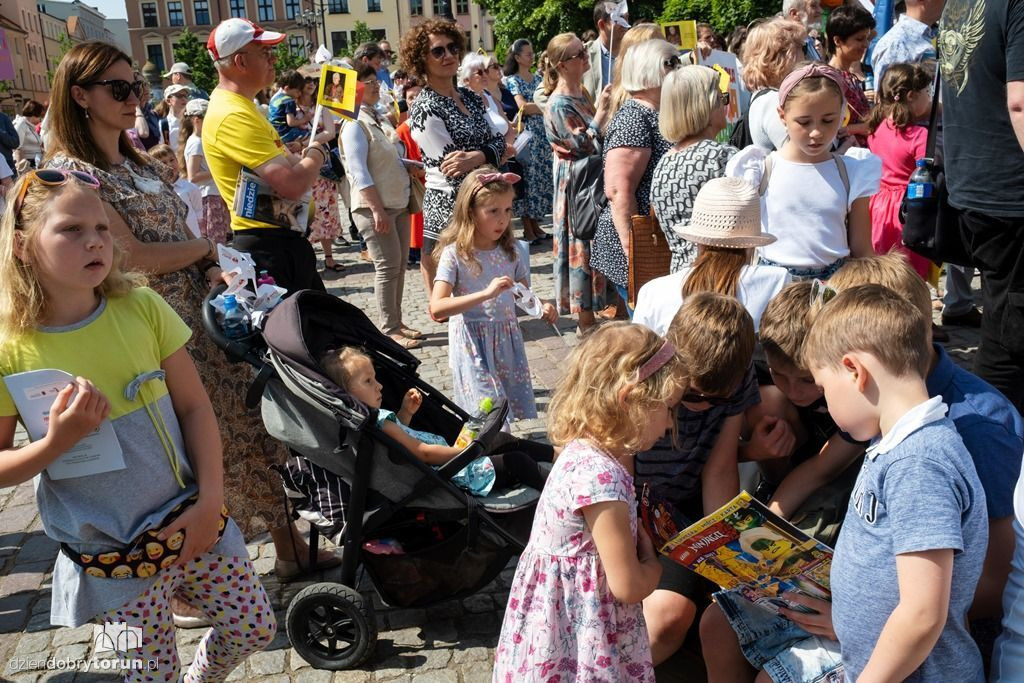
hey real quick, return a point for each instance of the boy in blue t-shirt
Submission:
(283, 111)
(913, 542)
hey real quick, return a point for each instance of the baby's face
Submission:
(362, 383)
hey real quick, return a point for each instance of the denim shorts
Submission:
(772, 642)
(800, 274)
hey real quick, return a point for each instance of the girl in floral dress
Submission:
(477, 268)
(574, 610)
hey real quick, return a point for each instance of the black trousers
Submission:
(285, 254)
(996, 244)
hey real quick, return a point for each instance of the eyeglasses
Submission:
(724, 98)
(581, 55)
(437, 52)
(698, 397)
(268, 53)
(493, 67)
(672, 63)
(52, 177)
(120, 89)
(477, 72)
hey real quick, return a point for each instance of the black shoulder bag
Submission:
(931, 227)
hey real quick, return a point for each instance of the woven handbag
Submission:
(648, 252)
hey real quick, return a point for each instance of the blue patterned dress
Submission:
(485, 345)
(536, 158)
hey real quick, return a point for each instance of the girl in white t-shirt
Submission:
(214, 219)
(726, 227)
(814, 201)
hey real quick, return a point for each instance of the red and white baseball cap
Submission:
(231, 35)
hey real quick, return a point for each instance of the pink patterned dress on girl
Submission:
(562, 619)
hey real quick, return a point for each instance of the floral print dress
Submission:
(577, 287)
(562, 621)
(252, 492)
(485, 345)
(536, 159)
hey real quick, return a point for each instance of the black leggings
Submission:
(516, 461)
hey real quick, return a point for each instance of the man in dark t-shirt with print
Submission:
(981, 55)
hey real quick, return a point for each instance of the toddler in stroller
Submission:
(511, 461)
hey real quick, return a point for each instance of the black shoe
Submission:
(971, 318)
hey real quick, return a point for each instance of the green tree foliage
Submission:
(361, 34)
(288, 60)
(723, 15)
(65, 44)
(193, 52)
(540, 20)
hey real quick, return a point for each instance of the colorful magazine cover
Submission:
(744, 546)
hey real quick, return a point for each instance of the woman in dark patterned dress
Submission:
(573, 127)
(692, 114)
(148, 220)
(632, 148)
(448, 123)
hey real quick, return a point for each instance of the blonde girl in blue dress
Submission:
(477, 268)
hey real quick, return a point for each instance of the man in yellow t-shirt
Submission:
(237, 136)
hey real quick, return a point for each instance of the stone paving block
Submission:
(403, 618)
(75, 651)
(23, 660)
(440, 632)
(436, 677)
(13, 611)
(406, 637)
(10, 543)
(36, 642)
(295, 660)
(279, 678)
(481, 602)
(461, 655)
(267, 662)
(25, 678)
(313, 676)
(71, 636)
(239, 674)
(27, 578)
(16, 518)
(355, 676)
(38, 548)
(477, 672)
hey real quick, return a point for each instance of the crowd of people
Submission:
(789, 342)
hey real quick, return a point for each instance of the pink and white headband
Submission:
(656, 362)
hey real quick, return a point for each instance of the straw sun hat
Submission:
(726, 213)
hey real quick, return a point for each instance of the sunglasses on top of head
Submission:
(437, 52)
(672, 62)
(119, 88)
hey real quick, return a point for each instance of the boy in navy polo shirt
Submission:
(913, 542)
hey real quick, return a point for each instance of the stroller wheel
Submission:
(330, 626)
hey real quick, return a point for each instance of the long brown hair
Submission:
(69, 127)
(894, 95)
(461, 229)
(717, 269)
(557, 48)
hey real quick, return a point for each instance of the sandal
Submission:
(405, 342)
(333, 265)
(410, 333)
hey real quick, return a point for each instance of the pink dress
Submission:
(899, 151)
(562, 622)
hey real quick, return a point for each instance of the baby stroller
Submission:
(362, 489)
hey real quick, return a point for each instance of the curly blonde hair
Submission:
(768, 53)
(599, 397)
(22, 299)
(416, 42)
(461, 229)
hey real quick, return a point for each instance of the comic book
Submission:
(744, 546)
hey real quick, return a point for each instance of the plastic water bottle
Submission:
(236, 321)
(922, 185)
(474, 424)
(265, 278)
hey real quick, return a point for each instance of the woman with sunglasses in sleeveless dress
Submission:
(448, 123)
(94, 100)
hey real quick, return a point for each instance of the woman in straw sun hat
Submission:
(725, 224)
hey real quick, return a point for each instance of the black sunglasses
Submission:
(120, 89)
(437, 52)
(697, 397)
(672, 62)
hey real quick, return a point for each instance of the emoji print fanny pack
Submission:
(146, 555)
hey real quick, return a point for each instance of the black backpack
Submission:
(740, 137)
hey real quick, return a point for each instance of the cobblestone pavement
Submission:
(449, 643)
